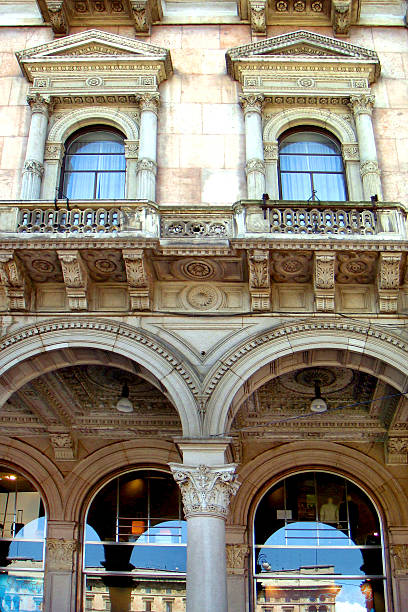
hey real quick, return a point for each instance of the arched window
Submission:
(311, 167)
(22, 543)
(94, 165)
(135, 544)
(317, 538)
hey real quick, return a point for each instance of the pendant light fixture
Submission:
(124, 404)
(318, 404)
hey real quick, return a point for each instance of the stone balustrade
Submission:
(247, 218)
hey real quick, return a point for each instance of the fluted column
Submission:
(33, 165)
(206, 491)
(255, 166)
(146, 167)
(362, 108)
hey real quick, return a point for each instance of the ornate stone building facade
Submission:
(203, 306)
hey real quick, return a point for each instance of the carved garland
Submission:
(103, 326)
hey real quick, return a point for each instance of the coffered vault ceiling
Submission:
(82, 399)
(359, 408)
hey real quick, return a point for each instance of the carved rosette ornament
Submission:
(257, 15)
(236, 557)
(399, 555)
(259, 280)
(252, 103)
(323, 277)
(206, 491)
(341, 11)
(388, 281)
(60, 554)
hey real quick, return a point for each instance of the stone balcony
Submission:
(247, 218)
(133, 256)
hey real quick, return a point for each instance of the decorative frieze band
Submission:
(206, 490)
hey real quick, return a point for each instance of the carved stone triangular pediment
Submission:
(105, 62)
(324, 59)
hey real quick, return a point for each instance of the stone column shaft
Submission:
(362, 108)
(60, 567)
(206, 492)
(146, 167)
(33, 165)
(255, 166)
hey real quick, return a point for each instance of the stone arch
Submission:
(108, 462)
(42, 339)
(39, 469)
(273, 465)
(72, 121)
(364, 347)
(326, 119)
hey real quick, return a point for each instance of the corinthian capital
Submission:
(362, 105)
(149, 102)
(252, 103)
(206, 490)
(39, 104)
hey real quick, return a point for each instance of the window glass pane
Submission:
(96, 151)
(79, 185)
(330, 187)
(110, 185)
(320, 157)
(307, 594)
(296, 186)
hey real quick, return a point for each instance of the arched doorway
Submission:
(135, 541)
(22, 542)
(317, 547)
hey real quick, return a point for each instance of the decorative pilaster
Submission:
(60, 566)
(146, 167)
(388, 281)
(252, 105)
(341, 16)
(139, 282)
(131, 155)
(323, 281)
(15, 282)
(75, 279)
(399, 556)
(271, 156)
(396, 451)
(53, 156)
(33, 166)
(362, 107)
(58, 17)
(142, 15)
(206, 491)
(259, 280)
(257, 16)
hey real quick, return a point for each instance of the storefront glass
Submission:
(22, 544)
(318, 547)
(135, 545)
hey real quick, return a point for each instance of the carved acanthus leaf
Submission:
(14, 281)
(257, 13)
(63, 445)
(138, 278)
(341, 11)
(142, 15)
(399, 554)
(388, 281)
(259, 280)
(60, 554)
(206, 490)
(236, 556)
